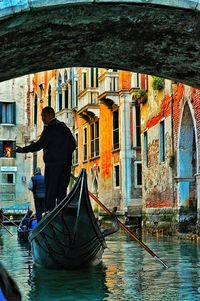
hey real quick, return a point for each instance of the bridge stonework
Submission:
(153, 37)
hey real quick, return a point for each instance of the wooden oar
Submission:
(128, 231)
(125, 228)
(10, 220)
(6, 229)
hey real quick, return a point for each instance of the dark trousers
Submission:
(57, 177)
(39, 207)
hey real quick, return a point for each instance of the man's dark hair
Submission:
(48, 110)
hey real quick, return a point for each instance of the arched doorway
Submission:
(95, 191)
(187, 168)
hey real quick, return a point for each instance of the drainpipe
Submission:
(125, 155)
(173, 152)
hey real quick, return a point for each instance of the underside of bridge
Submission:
(150, 39)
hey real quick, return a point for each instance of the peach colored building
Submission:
(97, 105)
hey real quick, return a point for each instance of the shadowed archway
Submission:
(187, 169)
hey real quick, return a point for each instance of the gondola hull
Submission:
(69, 236)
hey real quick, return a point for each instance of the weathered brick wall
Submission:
(158, 178)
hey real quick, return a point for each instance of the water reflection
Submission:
(87, 284)
(127, 273)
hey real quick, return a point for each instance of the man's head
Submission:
(37, 171)
(47, 114)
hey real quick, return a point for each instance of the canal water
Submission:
(128, 273)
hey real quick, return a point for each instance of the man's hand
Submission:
(18, 149)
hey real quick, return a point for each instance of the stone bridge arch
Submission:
(153, 37)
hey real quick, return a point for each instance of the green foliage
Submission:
(172, 161)
(158, 83)
(168, 217)
(140, 93)
(144, 216)
(141, 96)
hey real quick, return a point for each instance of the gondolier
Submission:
(58, 144)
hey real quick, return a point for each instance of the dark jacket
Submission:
(38, 188)
(57, 143)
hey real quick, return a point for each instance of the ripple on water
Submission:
(127, 273)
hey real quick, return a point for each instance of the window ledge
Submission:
(96, 157)
(115, 150)
(117, 187)
(7, 124)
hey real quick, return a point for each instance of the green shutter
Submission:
(97, 77)
(92, 77)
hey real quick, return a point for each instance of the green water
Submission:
(127, 273)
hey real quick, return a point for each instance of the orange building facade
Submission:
(137, 137)
(98, 106)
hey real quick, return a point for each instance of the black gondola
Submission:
(23, 234)
(24, 229)
(69, 237)
(26, 225)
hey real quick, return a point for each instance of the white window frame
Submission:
(136, 80)
(8, 173)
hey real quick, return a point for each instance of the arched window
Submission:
(65, 77)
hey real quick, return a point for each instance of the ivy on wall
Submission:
(158, 83)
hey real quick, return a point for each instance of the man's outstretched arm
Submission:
(34, 147)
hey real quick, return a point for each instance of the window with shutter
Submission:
(7, 112)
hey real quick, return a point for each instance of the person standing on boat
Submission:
(58, 144)
(37, 186)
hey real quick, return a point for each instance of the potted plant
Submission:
(141, 96)
(158, 83)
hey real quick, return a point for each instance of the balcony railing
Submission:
(88, 96)
(109, 88)
(66, 116)
(109, 82)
